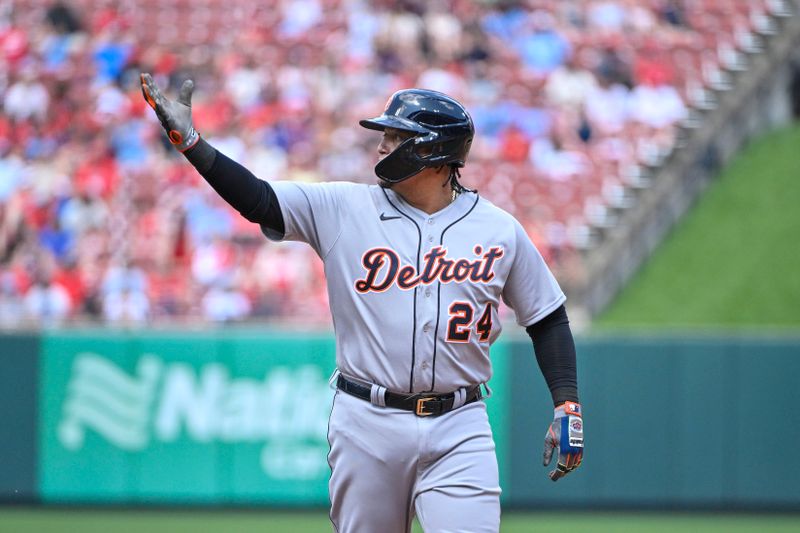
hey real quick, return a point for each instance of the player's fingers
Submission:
(549, 445)
(547, 456)
(155, 98)
(567, 460)
(559, 472)
(185, 95)
(572, 463)
(576, 460)
(154, 92)
(146, 90)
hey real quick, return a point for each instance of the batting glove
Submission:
(175, 116)
(566, 434)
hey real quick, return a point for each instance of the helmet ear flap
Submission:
(401, 164)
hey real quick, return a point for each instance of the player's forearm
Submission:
(252, 197)
(202, 156)
(555, 353)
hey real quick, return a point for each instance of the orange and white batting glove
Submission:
(175, 116)
(566, 434)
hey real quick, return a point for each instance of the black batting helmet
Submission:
(442, 128)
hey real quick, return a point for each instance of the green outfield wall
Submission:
(236, 418)
(19, 356)
(702, 422)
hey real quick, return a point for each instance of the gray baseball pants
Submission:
(388, 464)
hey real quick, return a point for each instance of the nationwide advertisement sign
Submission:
(176, 418)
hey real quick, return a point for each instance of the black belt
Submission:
(420, 404)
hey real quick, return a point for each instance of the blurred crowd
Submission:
(101, 220)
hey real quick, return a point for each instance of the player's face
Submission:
(390, 140)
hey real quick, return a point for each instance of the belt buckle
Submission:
(420, 411)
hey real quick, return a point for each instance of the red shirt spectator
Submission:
(13, 44)
(514, 145)
(98, 175)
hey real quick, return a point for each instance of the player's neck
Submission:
(426, 192)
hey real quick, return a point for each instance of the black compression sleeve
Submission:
(555, 353)
(252, 197)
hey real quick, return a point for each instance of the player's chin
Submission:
(385, 184)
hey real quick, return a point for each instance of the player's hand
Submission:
(566, 434)
(175, 116)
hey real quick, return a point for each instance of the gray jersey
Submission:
(414, 296)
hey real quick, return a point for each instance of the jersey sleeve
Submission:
(531, 290)
(312, 213)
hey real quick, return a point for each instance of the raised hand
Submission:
(175, 115)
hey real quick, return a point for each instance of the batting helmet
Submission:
(442, 129)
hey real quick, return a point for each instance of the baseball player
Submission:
(416, 268)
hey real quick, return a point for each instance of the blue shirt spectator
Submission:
(544, 51)
(110, 59)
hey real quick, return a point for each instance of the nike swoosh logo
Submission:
(384, 217)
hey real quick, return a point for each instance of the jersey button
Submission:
(426, 329)
(428, 293)
(430, 239)
(424, 365)
(430, 221)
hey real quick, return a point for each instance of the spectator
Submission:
(673, 12)
(83, 212)
(127, 306)
(545, 49)
(125, 276)
(45, 302)
(607, 107)
(11, 308)
(13, 170)
(110, 57)
(212, 262)
(552, 161)
(443, 32)
(568, 86)
(27, 98)
(606, 15)
(55, 239)
(223, 303)
(62, 18)
(612, 68)
(655, 105)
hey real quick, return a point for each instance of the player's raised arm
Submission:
(252, 197)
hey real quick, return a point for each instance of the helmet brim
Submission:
(388, 121)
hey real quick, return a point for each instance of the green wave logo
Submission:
(104, 398)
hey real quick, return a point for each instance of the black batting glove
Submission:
(175, 116)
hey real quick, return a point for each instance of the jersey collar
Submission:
(452, 212)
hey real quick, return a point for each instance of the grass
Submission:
(159, 521)
(733, 260)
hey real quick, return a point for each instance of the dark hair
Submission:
(453, 178)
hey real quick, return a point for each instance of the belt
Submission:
(420, 404)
